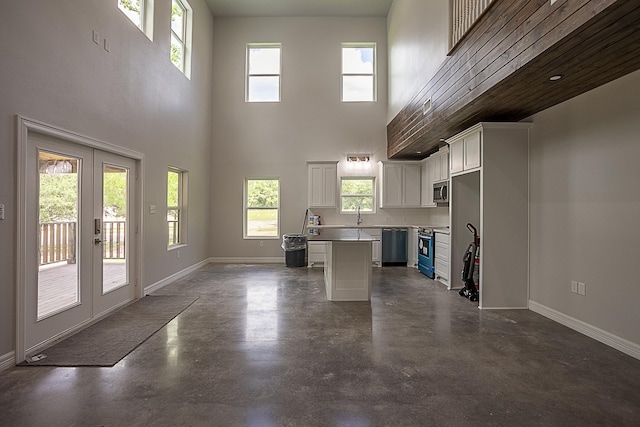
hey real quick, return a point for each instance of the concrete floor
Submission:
(263, 347)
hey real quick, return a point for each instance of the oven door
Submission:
(425, 255)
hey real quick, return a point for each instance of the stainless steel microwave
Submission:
(441, 192)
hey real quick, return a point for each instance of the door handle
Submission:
(97, 241)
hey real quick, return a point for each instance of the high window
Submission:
(261, 208)
(263, 73)
(180, 18)
(176, 206)
(358, 72)
(140, 12)
(356, 192)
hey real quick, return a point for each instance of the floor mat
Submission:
(108, 341)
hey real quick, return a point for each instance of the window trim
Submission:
(248, 75)
(373, 74)
(183, 181)
(372, 195)
(245, 208)
(146, 17)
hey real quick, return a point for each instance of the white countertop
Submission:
(437, 228)
(343, 235)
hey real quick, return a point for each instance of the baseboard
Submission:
(503, 308)
(247, 260)
(7, 361)
(180, 274)
(621, 344)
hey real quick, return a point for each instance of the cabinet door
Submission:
(411, 185)
(322, 184)
(456, 155)
(426, 192)
(391, 189)
(472, 151)
(443, 169)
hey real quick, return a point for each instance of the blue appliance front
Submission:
(426, 247)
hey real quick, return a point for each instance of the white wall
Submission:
(418, 38)
(132, 97)
(264, 140)
(585, 207)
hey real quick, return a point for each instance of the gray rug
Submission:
(108, 341)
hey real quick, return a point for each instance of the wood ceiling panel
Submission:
(501, 69)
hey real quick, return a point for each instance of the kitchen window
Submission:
(176, 206)
(261, 208)
(180, 24)
(263, 72)
(140, 12)
(357, 192)
(358, 72)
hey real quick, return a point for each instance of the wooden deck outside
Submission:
(58, 288)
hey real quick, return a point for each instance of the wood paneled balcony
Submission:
(501, 69)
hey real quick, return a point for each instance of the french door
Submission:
(79, 216)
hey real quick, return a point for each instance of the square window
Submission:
(262, 208)
(357, 192)
(176, 206)
(263, 73)
(358, 72)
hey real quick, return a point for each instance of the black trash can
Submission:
(295, 247)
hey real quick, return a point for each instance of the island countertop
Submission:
(343, 235)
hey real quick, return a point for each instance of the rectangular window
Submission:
(140, 12)
(263, 73)
(357, 192)
(180, 18)
(358, 72)
(261, 208)
(176, 206)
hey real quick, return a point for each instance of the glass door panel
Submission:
(58, 284)
(115, 181)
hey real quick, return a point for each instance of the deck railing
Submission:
(58, 241)
(464, 13)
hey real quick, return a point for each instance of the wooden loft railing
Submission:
(465, 13)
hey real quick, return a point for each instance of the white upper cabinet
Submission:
(465, 151)
(323, 184)
(400, 184)
(435, 168)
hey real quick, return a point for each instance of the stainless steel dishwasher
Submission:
(394, 246)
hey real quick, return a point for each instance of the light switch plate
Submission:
(2, 211)
(574, 286)
(152, 209)
(582, 288)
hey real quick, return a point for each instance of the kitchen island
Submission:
(348, 263)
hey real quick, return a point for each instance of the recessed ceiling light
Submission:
(555, 78)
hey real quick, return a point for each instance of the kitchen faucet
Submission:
(358, 218)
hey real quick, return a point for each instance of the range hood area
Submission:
(518, 59)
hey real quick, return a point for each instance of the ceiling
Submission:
(238, 8)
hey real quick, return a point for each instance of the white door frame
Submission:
(25, 126)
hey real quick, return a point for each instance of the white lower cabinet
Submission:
(441, 257)
(376, 247)
(412, 249)
(316, 252)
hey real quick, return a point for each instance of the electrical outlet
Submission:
(574, 286)
(261, 243)
(582, 288)
(2, 211)
(178, 254)
(152, 209)
(96, 37)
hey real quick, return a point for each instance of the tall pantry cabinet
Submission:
(489, 188)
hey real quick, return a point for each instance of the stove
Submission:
(426, 246)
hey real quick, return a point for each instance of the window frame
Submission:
(248, 74)
(246, 208)
(372, 195)
(145, 17)
(373, 74)
(184, 39)
(181, 208)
